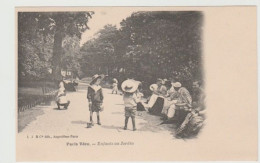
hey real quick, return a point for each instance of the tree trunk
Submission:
(57, 54)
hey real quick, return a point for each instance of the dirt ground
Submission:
(48, 118)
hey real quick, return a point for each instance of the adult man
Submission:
(193, 122)
(198, 95)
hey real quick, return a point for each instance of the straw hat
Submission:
(159, 80)
(94, 78)
(130, 85)
(176, 84)
(115, 80)
(153, 87)
(165, 80)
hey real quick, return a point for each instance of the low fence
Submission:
(27, 101)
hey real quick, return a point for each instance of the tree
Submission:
(165, 43)
(71, 56)
(99, 53)
(149, 45)
(34, 50)
(56, 24)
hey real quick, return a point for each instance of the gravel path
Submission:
(74, 120)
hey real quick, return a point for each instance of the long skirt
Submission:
(156, 109)
(167, 105)
(171, 111)
(152, 100)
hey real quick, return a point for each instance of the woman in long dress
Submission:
(169, 100)
(156, 109)
(61, 98)
(154, 95)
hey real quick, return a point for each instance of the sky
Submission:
(102, 17)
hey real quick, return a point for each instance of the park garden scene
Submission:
(151, 58)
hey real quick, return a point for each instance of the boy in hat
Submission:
(95, 98)
(130, 100)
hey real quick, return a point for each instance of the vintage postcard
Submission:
(136, 83)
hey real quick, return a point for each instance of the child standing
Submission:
(140, 95)
(95, 98)
(130, 100)
(115, 88)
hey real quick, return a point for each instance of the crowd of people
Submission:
(176, 104)
(169, 99)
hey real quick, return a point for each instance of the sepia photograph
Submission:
(121, 78)
(147, 67)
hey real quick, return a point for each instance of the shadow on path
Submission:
(79, 122)
(153, 123)
(26, 117)
(120, 113)
(62, 109)
(118, 128)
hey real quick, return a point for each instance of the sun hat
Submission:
(115, 80)
(176, 84)
(130, 85)
(94, 78)
(153, 87)
(159, 79)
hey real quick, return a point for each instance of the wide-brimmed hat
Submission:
(130, 85)
(164, 81)
(176, 84)
(94, 78)
(159, 79)
(115, 80)
(153, 87)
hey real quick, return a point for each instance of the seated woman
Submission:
(161, 91)
(169, 101)
(61, 97)
(154, 95)
(139, 95)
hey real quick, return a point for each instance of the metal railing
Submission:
(28, 101)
